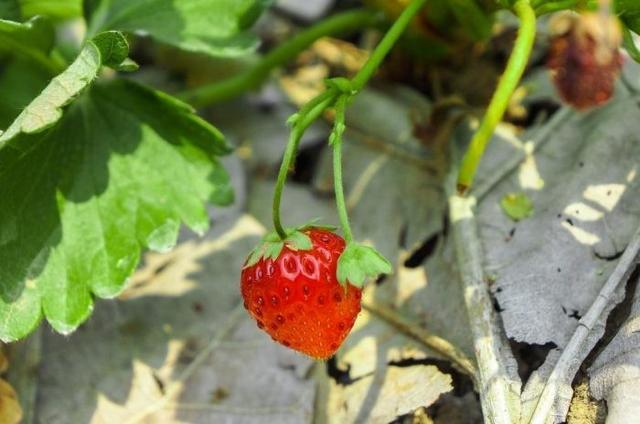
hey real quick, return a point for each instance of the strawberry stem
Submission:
(340, 91)
(342, 23)
(337, 168)
(500, 100)
(307, 115)
(385, 45)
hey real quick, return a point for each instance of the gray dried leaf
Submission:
(549, 268)
(615, 374)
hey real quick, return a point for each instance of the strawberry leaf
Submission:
(56, 9)
(271, 245)
(297, 240)
(517, 206)
(629, 12)
(10, 9)
(359, 262)
(272, 250)
(45, 110)
(31, 40)
(119, 171)
(213, 27)
(313, 223)
(114, 49)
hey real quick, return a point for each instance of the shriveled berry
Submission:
(584, 57)
(314, 310)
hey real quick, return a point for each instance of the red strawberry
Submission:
(296, 297)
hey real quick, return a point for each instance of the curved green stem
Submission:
(252, 78)
(385, 45)
(312, 110)
(337, 168)
(356, 84)
(308, 114)
(500, 100)
(289, 153)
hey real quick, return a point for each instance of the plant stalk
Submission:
(498, 388)
(308, 114)
(386, 44)
(312, 110)
(337, 170)
(252, 78)
(500, 100)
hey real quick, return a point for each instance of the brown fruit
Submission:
(584, 57)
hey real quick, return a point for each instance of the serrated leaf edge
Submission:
(271, 244)
(359, 262)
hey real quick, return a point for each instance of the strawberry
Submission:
(584, 57)
(290, 287)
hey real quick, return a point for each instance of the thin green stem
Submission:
(386, 44)
(506, 86)
(309, 113)
(339, 126)
(289, 153)
(357, 83)
(252, 78)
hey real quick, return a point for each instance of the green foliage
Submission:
(517, 206)
(271, 244)
(359, 262)
(31, 80)
(9, 9)
(92, 171)
(120, 171)
(56, 9)
(30, 38)
(109, 49)
(630, 45)
(214, 27)
(475, 21)
(629, 13)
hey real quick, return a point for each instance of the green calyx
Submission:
(272, 244)
(358, 263)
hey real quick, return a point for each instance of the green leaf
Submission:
(359, 262)
(272, 250)
(9, 9)
(474, 20)
(121, 169)
(31, 40)
(214, 27)
(127, 65)
(46, 109)
(517, 206)
(56, 9)
(30, 79)
(113, 46)
(629, 12)
(314, 223)
(630, 45)
(297, 240)
(271, 245)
